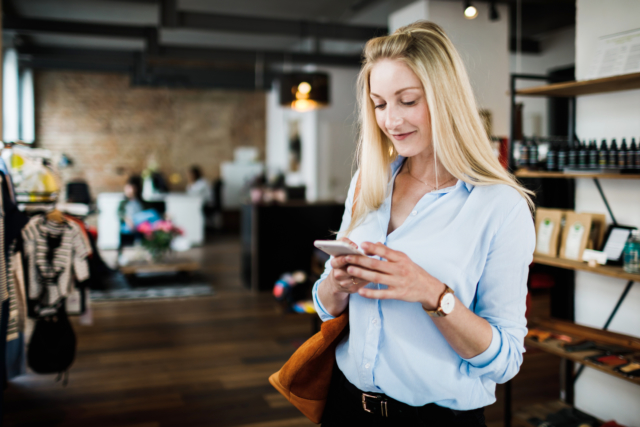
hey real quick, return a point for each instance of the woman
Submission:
(436, 309)
(198, 186)
(131, 205)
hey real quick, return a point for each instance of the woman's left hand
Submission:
(406, 280)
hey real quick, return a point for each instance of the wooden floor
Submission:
(198, 362)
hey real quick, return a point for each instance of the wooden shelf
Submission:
(554, 346)
(524, 173)
(605, 270)
(585, 87)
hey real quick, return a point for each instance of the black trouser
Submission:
(346, 407)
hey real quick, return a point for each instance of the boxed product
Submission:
(575, 235)
(548, 229)
(598, 229)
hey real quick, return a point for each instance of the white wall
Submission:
(558, 50)
(607, 116)
(328, 137)
(482, 44)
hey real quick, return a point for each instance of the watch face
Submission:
(448, 301)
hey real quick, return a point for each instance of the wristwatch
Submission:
(445, 304)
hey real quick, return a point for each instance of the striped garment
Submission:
(4, 292)
(55, 252)
(17, 297)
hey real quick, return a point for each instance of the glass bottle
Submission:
(583, 155)
(632, 253)
(562, 155)
(533, 154)
(552, 157)
(631, 154)
(613, 155)
(622, 155)
(523, 162)
(636, 158)
(593, 155)
(572, 160)
(603, 155)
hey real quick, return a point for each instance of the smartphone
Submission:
(336, 247)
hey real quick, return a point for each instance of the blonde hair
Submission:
(458, 135)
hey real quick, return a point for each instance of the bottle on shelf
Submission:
(603, 158)
(593, 155)
(636, 158)
(523, 162)
(583, 155)
(631, 154)
(572, 159)
(613, 155)
(552, 157)
(562, 155)
(631, 254)
(533, 153)
(622, 155)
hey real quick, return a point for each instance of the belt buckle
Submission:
(383, 404)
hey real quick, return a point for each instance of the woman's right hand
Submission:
(341, 281)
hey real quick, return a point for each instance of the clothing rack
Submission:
(32, 285)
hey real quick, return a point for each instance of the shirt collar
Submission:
(395, 165)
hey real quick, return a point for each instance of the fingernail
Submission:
(350, 270)
(349, 258)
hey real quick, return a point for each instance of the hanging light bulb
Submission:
(470, 12)
(304, 91)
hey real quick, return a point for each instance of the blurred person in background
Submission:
(198, 185)
(131, 205)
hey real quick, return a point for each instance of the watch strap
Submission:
(438, 311)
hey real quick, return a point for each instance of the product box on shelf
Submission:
(548, 229)
(575, 235)
(598, 229)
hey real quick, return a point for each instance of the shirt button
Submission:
(367, 366)
(374, 321)
(414, 213)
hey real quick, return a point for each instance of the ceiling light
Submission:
(304, 87)
(304, 91)
(470, 12)
(493, 12)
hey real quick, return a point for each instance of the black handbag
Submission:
(52, 348)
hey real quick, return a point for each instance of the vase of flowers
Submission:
(158, 236)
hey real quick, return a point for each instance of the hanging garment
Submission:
(83, 228)
(5, 170)
(16, 292)
(56, 252)
(4, 292)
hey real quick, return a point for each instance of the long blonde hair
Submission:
(458, 135)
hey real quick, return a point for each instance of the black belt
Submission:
(385, 406)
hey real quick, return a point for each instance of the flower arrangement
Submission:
(157, 237)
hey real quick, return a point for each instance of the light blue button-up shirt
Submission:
(479, 240)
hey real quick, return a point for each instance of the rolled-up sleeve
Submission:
(346, 221)
(501, 297)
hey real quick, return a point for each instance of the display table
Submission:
(175, 266)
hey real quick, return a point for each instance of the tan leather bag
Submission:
(304, 380)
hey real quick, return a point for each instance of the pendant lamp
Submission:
(304, 91)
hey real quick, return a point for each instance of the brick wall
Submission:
(111, 130)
